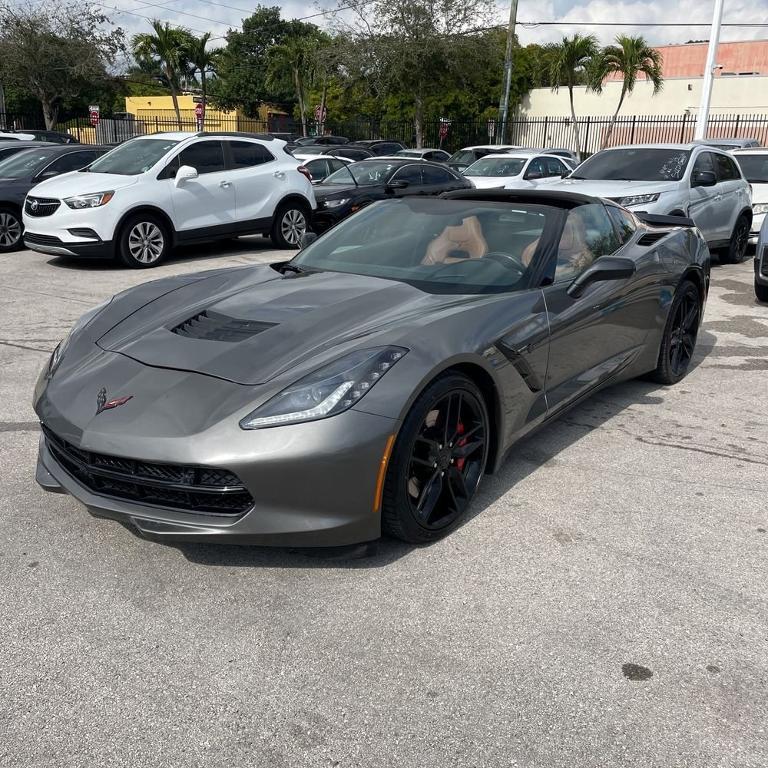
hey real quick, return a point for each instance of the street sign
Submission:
(321, 114)
(445, 124)
(197, 99)
(491, 128)
(93, 113)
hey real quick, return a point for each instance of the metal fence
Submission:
(522, 131)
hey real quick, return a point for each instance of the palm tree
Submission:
(166, 49)
(201, 60)
(628, 58)
(570, 64)
(290, 65)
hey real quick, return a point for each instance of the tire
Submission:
(143, 241)
(290, 222)
(430, 483)
(761, 291)
(11, 230)
(737, 250)
(677, 347)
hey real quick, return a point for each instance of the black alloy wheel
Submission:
(438, 462)
(737, 250)
(679, 341)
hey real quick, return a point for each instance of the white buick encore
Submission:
(167, 189)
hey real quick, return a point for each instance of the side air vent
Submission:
(649, 238)
(212, 326)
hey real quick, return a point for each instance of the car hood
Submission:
(82, 183)
(250, 327)
(614, 189)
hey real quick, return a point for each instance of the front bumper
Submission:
(313, 484)
(55, 246)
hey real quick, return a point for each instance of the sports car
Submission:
(369, 384)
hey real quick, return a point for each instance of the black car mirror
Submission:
(398, 184)
(307, 239)
(703, 179)
(605, 268)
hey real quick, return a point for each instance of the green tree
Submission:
(571, 63)
(165, 48)
(203, 60)
(630, 57)
(55, 52)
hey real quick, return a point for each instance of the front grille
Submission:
(212, 326)
(31, 237)
(764, 262)
(41, 206)
(204, 490)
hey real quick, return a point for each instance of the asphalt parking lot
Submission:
(606, 604)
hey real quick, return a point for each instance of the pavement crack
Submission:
(696, 449)
(24, 346)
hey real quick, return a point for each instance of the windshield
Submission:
(496, 166)
(366, 173)
(132, 158)
(25, 163)
(438, 246)
(635, 165)
(754, 167)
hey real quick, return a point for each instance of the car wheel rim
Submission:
(10, 229)
(146, 242)
(293, 226)
(684, 330)
(741, 237)
(447, 460)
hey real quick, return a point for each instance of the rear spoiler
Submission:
(655, 220)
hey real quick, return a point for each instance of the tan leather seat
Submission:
(467, 237)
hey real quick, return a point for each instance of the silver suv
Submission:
(701, 182)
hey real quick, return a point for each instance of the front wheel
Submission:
(438, 461)
(290, 223)
(143, 242)
(679, 340)
(11, 230)
(737, 249)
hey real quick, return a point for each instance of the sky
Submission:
(217, 16)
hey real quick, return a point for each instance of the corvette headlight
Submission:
(330, 390)
(89, 201)
(638, 199)
(760, 208)
(62, 346)
(336, 203)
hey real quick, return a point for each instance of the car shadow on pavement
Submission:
(527, 456)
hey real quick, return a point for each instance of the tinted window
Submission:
(587, 234)
(754, 167)
(364, 174)
(436, 175)
(133, 157)
(72, 162)
(318, 169)
(409, 173)
(204, 156)
(437, 156)
(536, 169)
(704, 162)
(496, 166)
(635, 164)
(726, 168)
(624, 222)
(388, 149)
(246, 154)
(334, 165)
(554, 167)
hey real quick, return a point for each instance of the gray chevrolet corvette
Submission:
(368, 384)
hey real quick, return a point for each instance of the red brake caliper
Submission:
(461, 442)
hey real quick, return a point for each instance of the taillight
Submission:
(304, 171)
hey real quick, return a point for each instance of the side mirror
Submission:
(397, 185)
(185, 173)
(307, 239)
(703, 179)
(605, 268)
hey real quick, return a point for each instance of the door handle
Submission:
(225, 184)
(279, 174)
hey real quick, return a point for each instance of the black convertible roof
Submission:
(540, 196)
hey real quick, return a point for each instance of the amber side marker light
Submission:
(382, 473)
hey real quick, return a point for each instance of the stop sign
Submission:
(199, 110)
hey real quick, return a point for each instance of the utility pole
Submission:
(504, 102)
(702, 118)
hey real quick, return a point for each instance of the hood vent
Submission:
(213, 326)
(649, 238)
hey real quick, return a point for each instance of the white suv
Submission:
(694, 180)
(155, 192)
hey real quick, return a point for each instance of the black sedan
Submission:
(381, 147)
(352, 188)
(23, 170)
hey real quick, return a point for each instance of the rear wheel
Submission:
(679, 340)
(737, 250)
(291, 221)
(438, 461)
(761, 291)
(143, 242)
(11, 230)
